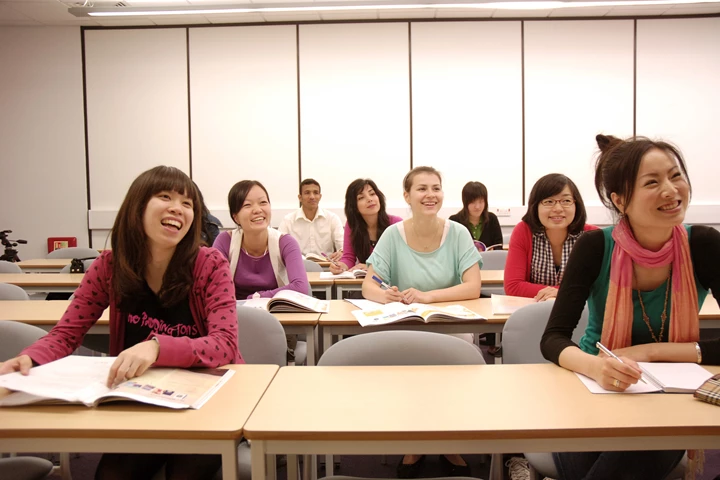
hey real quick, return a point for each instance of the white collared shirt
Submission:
(322, 234)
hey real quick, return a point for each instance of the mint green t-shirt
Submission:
(401, 266)
(653, 301)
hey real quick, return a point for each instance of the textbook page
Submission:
(80, 379)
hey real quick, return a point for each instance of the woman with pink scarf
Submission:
(644, 281)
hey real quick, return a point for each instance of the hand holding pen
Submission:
(621, 376)
(392, 294)
(325, 256)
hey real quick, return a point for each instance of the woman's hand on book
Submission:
(413, 295)
(546, 294)
(337, 268)
(21, 364)
(614, 375)
(133, 362)
(392, 294)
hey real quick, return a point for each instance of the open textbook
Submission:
(288, 301)
(399, 312)
(79, 379)
(350, 274)
(660, 377)
(507, 305)
(315, 257)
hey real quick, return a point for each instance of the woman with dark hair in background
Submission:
(540, 244)
(366, 222)
(476, 216)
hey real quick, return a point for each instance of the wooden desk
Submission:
(444, 409)
(340, 321)
(489, 277)
(44, 282)
(44, 265)
(318, 284)
(45, 314)
(216, 428)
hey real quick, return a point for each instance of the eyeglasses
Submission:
(564, 203)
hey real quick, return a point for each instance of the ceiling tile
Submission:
(48, 13)
(179, 19)
(464, 13)
(350, 15)
(9, 14)
(291, 16)
(580, 12)
(404, 13)
(521, 13)
(236, 18)
(696, 9)
(638, 10)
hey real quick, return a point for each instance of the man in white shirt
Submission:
(317, 231)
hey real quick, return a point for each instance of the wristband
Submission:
(699, 352)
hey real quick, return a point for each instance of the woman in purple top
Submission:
(366, 222)
(262, 260)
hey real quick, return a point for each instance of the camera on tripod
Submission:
(10, 255)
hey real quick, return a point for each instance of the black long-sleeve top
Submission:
(583, 269)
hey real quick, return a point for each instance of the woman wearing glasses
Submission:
(541, 243)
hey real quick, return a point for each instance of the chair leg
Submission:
(534, 474)
(496, 466)
(383, 460)
(65, 466)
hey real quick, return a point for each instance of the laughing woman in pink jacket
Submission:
(172, 304)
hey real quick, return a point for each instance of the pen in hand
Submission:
(607, 352)
(379, 280)
(328, 258)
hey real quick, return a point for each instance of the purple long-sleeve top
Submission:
(349, 257)
(255, 274)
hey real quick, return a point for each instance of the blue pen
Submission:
(383, 285)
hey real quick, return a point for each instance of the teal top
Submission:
(401, 266)
(653, 301)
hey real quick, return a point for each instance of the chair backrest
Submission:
(25, 468)
(261, 338)
(86, 264)
(12, 292)
(402, 347)
(9, 267)
(494, 259)
(73, 252)
(506, 238)
(15, 336)
(524, 329)
(311, 266)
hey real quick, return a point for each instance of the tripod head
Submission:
(10, 254)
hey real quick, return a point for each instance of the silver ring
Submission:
(616, 382)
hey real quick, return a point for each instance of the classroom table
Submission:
(465, 409)
(216, 428)
(44, 282)
(340, 321)
(68, 282)
(44, 265)
(45, 314)
(489, 277)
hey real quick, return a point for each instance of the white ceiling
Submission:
(54, 12)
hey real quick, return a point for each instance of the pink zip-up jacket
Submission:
(212, 303)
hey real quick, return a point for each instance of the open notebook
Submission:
(288, 301)
(661, 377)
(78, 379)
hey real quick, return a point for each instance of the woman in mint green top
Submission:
(424, 259)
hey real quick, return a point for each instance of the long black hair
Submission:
(471, 192)
(360, 237)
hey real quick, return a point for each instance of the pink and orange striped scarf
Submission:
(684, 325)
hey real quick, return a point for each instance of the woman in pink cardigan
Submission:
(172, 304)
(541, 243)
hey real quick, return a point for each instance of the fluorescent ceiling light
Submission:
(354, 6)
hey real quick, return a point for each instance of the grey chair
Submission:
(261, 338)
(73, 252)
(493, 260)
(400, 347)
(521, 344)
(25, 468)
(12, 292)
(86, 266)
(311, 266)
(9, 267)
(14, 337)
(506, 238)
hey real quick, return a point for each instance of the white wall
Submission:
(354, 90)
(42, 140)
